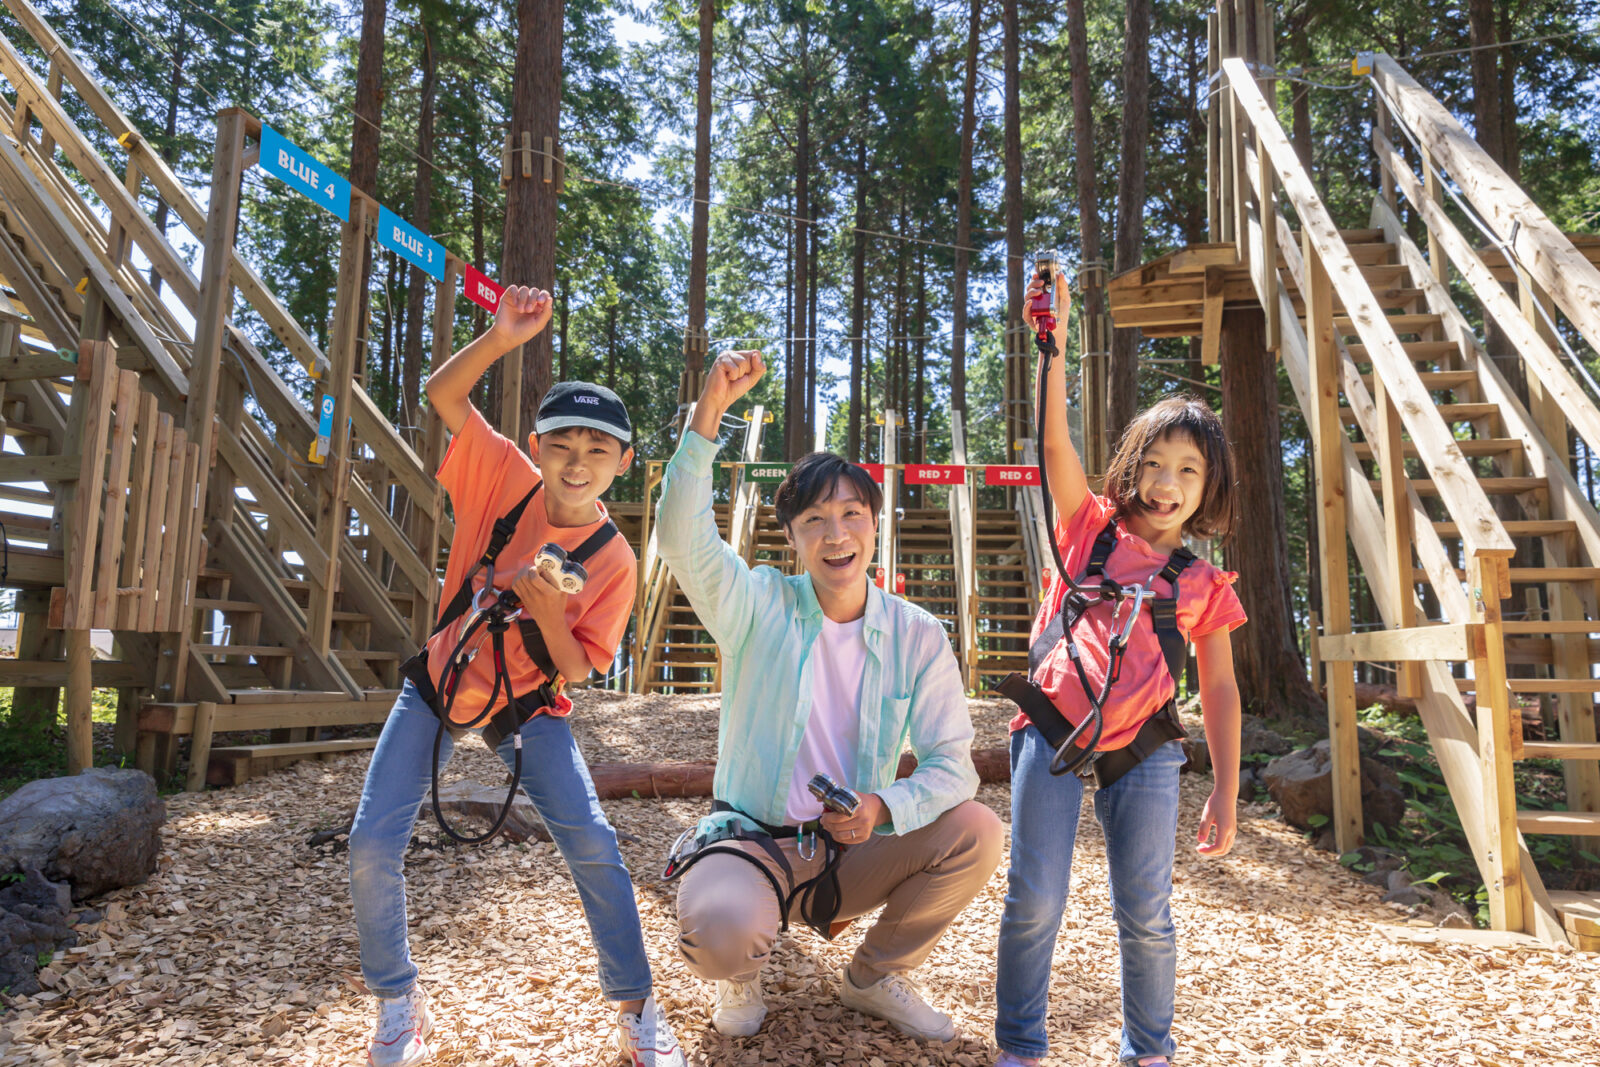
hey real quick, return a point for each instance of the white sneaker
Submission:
(738, 1009)
(646, 1039)
(403, 1025)
(894, 1000)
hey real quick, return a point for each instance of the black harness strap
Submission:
(1160, 728)
(495, 620)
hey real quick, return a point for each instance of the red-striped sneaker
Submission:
(646, 1039)
(403, 1026)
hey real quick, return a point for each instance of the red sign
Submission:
(998, 475)
(935, 474)
(874, 470)
(482, 291)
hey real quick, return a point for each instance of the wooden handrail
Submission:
(1540, 358)
(1549, 257)
(1481, 530)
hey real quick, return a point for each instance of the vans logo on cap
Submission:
(587, 399)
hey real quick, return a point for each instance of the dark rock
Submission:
(1255, 737)
(1379, 877)
(1198, 755)
(87, 917)
(97, 831)
(1406, 897)
(1302, 785)
(1250, 783)
(1382, 859)
(33, 922)
(1456, 918)
(1325, 842)
(1397, 880)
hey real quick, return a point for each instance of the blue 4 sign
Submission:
(304, 173)
(398, 235)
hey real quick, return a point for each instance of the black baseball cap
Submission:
(569, 404)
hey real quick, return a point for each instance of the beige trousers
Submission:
(728, 917)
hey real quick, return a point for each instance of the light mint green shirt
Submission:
(766, 623)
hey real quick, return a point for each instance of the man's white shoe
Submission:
(738, 1009)
(647, 1040)
(894, 1000)
(403, 1026)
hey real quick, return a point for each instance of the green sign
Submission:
(766, 472)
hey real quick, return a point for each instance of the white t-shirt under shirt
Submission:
(828, 746)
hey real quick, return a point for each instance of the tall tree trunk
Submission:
(700, 228)
(528, 251)
(561, 332)
(1089, 239)
(1124, 372)
(795, 418)
(969, 129)
(1015, 252)
(169, 144)
(1297, 38)
(422, 219)
(858, 298)
(1490, 101)
(811, 330)
(364, 134)
(1272, 678)
(611, 347)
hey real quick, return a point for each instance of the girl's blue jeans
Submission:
(1139, 816)
(556, 779)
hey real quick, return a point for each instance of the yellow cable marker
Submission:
(82, 287)
(1361, 63)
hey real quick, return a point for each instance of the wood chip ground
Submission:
(241, 949)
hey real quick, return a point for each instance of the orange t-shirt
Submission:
(1206, 603)
(486, 475)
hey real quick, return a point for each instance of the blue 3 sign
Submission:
(398, 235)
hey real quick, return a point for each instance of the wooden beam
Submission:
(205, 717)
(83, 527)
(1211, 323)
(1546, 252)
(1456, 642)
(80, 701)
(116, 500)
(48, 469)
(1327, 433)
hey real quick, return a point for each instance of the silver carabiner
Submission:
(800, 844)
(487, 596)
(1139, 593)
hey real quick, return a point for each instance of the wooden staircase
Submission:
(925, 541)
(161, 488)
(1457, 494)
(1007, 597)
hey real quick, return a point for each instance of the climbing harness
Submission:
(493, 613)
(1074, 754)
(819, 897)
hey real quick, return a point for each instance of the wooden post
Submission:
(1386, 189)
(80, 702)
(1438, 262)
(205, 369)
(332, 510)
(205, 713)
(888, 550)
(1497, 747)
(1213, 131)
(1327, 433)
(425, 522)
(1223, 102)
(1397, 525)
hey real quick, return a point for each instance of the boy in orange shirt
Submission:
(579, 446)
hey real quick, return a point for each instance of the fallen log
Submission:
(619, 781)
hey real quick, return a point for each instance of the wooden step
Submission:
(1474, 446)
(256, 651)
(286, 696)
(1401, 324)
(1571, 823)
(1530, 575)
(1518, 527)
(229, 606)
(1437, 379)
(1393, 296)
(296, 748)
(1361, 236)
(1566, 750)
(1550, 626)
(1538, 685)
(1490, 486)
(367, 655)
(1448, 412)
(1419, 351)
(1580, 915)
(1384, 273)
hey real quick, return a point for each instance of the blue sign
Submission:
(304, 173)
(324, 428)
(398, 235)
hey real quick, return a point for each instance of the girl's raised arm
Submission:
(1069, 486)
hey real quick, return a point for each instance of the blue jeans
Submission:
(1139, 816)
(555, 778)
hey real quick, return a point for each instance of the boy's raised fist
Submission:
(523, 312)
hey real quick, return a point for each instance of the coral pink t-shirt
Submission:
(1206, 603)
(486, 475)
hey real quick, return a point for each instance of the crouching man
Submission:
(822, 673)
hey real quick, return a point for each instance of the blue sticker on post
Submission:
(398, 235)
(324, 430)
(304, 173)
